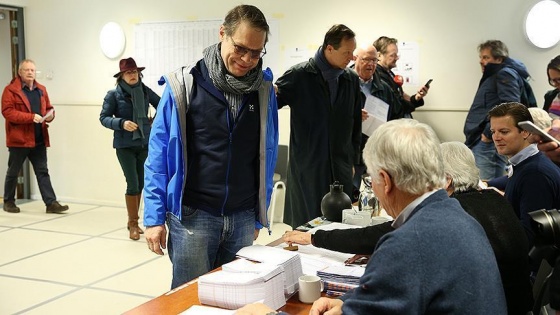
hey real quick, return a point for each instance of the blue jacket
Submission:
(117, 108)
(438, 262)
(166, 165)
(500, 83)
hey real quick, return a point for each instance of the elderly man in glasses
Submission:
(212, 151)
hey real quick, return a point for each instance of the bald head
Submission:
(366, 61)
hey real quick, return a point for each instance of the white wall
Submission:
(63, 40)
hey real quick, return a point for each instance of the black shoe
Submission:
(10, 206)
(56, 207)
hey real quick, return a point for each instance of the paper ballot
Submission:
(242, 282)
(378, 112)
(289, 261)
(205, 310)
(47, 115)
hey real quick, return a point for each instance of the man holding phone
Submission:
(551, 149)
(388, 55)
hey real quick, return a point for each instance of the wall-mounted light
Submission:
(542, 26)
(2, 15)
(112, 40)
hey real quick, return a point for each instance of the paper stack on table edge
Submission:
(242, 282)
(289, 261)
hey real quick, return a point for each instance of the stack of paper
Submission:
(290, 262)
(338, 280)
(242, 282)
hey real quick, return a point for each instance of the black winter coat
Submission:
(324, 138)
(117, 108)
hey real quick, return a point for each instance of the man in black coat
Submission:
(325, 124)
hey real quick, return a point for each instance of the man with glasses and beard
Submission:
(404, 104)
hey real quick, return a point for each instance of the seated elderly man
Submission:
(438, 259)
(489, 208)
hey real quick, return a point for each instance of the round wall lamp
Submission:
(542, 26)
(112, 40)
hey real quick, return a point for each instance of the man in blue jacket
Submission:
(212, 151)
(502, 81)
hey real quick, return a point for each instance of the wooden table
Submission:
(185, 296)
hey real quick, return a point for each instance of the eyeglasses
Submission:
(554, 82)
(129, 72)
(242, 51)
(367, 60)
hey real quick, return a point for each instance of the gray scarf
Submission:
(233, 87)
(138, 106)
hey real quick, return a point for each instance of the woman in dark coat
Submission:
(125, 110)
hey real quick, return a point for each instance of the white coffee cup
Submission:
(310, 288)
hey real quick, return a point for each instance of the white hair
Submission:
(409, 151)
(540, 117)
(459, 165)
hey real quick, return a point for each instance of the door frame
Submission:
(17, 48)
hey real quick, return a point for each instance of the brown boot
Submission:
(132, 209)
(139, 196)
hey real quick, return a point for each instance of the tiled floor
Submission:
(81, 262)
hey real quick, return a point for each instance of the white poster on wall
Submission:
(162, 47)
(408, 63)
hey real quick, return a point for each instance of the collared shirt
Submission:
(522, 156)
(403, 216)
(366, 86)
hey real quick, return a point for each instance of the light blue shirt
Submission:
(521, 156)
(524, 154)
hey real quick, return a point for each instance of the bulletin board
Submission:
(162, 47)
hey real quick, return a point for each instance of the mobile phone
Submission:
(532, 128)
(428, 83)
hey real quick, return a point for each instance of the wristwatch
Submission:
(272, 313)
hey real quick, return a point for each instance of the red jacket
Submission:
(20, 128)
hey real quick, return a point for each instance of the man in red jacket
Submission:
(27, 109)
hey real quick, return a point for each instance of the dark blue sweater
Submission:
(534, 185)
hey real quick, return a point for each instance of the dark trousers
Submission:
(38, 158)
(132, 163)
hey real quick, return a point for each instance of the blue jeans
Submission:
(201, 242)
(489, 162)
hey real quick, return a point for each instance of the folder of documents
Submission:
(340, 279)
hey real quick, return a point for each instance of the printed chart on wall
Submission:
(162, 47)
(408, 63)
